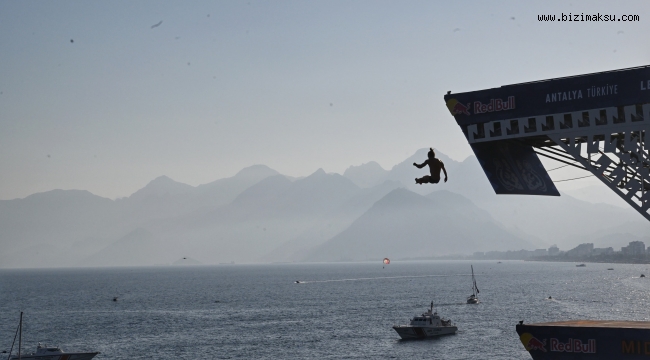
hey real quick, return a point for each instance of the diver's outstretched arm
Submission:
(445, 171)
(420, 166)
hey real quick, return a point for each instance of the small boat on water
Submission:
(54, 353)
(429, 324)
(581, 265)
(45, 352)
(473, 299)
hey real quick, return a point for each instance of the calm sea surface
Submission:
(340, 311)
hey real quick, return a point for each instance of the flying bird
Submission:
(156, 25)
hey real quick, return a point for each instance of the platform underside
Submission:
(586, 339)
(598, 324)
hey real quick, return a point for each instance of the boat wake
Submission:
(377, 278)
(451, 304)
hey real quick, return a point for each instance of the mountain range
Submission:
(260, 215)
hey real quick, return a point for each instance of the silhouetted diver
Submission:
(435, 165)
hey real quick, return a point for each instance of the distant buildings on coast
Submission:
(634, 252)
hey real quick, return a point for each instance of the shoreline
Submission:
(588, 260)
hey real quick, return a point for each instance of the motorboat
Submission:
(429, 324)
(581, 265)
(45, 352)
(473, 299)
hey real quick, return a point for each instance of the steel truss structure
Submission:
(608, 142)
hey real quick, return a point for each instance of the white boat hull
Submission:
(418, 332)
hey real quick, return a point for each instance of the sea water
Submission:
(338, 311)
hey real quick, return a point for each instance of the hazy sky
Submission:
(94, 97)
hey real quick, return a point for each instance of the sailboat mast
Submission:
(474, 287)
(473, 281)
(20, 337)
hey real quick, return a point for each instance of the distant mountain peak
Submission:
(162, 185)
(366, 175)
(369, 165)
(316, 175)
(256, 171)
(401, 197)
(61, 194)
(162, 179)
(404, 224)
(320, 177)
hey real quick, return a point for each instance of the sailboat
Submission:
(473, 299)
(44, 352)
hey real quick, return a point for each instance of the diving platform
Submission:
(596, 122)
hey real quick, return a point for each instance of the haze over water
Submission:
(342, 310)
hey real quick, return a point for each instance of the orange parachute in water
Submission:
(386, 261)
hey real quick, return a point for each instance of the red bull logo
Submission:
(494, 105)
(457, 108)
(574, 345)
(532, 343)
